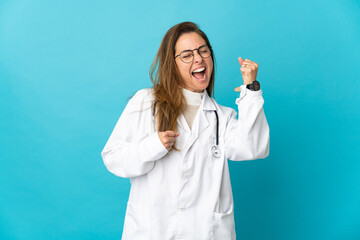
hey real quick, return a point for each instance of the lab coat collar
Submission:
(202, 122)
(207, 103)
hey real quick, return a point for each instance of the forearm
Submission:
(132, 159)
(248, 137)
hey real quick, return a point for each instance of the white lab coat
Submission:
(184, 194)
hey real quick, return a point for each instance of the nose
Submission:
(197, 57)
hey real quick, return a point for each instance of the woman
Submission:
(173, 142)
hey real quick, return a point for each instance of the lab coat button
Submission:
(186, 176)
(181, 207)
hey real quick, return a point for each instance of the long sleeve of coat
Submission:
(247, 137)
(133, 148)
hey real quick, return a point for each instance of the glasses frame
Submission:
(192, 52)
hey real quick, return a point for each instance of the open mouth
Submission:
(199, 73)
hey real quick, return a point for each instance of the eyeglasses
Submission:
(187, 56)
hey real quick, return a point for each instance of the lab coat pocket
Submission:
(216, 160)
(136, 224)
(223, 226)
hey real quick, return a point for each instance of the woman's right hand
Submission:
(168, 138)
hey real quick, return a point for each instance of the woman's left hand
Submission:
(248, 70)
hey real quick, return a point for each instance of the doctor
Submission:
(173, 142)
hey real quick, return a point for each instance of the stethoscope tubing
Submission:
(217, 128)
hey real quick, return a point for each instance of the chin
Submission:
(201, 88)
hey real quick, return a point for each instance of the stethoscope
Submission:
(215, 150)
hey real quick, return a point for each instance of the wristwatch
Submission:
(254, 86)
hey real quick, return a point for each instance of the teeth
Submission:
(199, 70)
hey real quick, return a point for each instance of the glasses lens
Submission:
(186, 56)
(204, 51)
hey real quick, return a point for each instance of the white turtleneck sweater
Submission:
(193, 100)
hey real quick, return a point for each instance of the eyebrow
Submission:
(193, 49)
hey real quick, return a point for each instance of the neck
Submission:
(192, 98)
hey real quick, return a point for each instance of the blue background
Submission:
(67, 69)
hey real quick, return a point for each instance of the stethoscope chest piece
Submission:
(216, 151)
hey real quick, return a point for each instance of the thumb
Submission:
(241, 61)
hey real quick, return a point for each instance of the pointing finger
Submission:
(241, 61)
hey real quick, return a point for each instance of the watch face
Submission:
(256, 85)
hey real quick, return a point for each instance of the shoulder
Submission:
(142, 95)
(141, 100)
(225, 111)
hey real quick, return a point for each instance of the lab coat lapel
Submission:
(201, 122)
(181, 121)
